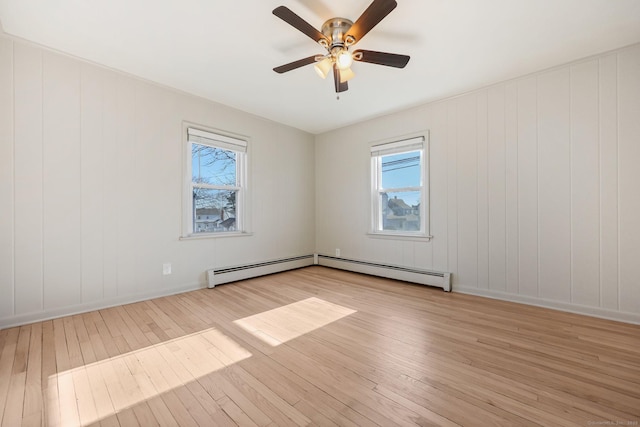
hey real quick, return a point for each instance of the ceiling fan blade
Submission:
(382, 58)
(371, 17)
(340, 86)
(295, 64)
(295, 21)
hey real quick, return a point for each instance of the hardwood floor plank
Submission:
(96, 329)
(51, 401)
(323, 402)
(235, 413)
(86, 346)
(244, 403)
(17, 385)
(318, 346)
(214, 412)
(33, 420)
(103, 403)
(120, 334)
(178, 411)
(316, 417)
(145, 415)
(270, 403)
(141, 320)
(69, 415)
(111, 421)
(193, 406)
(73, 344)
(161, 412)
(32, 411)
(84, 396)
(128, 418)
(283, 386)
(136, 335)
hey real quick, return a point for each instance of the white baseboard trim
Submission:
(40, 316)
(602, 313)
(412, 275)
(219, 276)
(224, 275)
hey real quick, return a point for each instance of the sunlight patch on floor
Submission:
(291, 321)
(90, 393)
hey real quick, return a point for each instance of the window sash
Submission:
(378, 151)
(217, 187)
(223, 142)
(216, 140)
(399, 189)
(396, 147)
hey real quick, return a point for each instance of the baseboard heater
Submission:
(413, 275)
(218, 276)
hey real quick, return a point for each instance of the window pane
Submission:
(401, 170)
(400, 210)
(214, 210)
(211, 165)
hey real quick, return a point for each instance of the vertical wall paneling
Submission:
(452, 193)
(483, 181)
(422, 254)
(528, 186)
(91, 188)
(110, 193)
(438, 144)
(126, 165)
(496, 179)
(608, 114)
(585, 203)
(511, 190)
(92, 182)
(148, 132)
(629, 177)
(554, 184)
(408, 253)
(29, 178)
(534, 186)
(61, 202)
(6, 179)
(467, 173)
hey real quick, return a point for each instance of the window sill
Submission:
(215, 235)
(400, 236)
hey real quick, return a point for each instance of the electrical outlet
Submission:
(337, 252)
(166, 268)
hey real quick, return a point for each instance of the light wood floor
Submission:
(321, 347)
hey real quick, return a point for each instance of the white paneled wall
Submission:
(629, 180)
(91, 169)
(7, 231)
(535, 188)
(28, 180)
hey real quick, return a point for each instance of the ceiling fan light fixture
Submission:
(344, 59)
(323, 67)
(346, 75)
(337, 35)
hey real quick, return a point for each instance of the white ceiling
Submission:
(225, 50)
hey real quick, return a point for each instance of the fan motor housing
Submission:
(335, 29)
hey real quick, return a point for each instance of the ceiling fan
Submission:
(337, 35)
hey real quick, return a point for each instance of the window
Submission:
(399, 188)
(217, 187)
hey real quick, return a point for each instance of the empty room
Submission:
(320, 213)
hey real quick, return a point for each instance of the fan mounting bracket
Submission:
(335, 31)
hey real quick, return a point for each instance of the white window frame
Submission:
(416, 142)
(226, 141)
